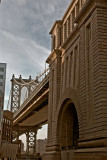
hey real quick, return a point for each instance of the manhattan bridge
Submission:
(28, 102)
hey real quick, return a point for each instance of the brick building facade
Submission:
(8, 148)
(77, 114)
(2, 92)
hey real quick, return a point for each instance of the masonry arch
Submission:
(24, 94)
(69, 126)
(69, 120)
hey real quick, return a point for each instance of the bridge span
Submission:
(34, 111)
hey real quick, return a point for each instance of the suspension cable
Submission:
(33, 81)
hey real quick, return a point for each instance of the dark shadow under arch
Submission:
(68, 126)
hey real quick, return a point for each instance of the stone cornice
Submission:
(51, 57)
(55, 53)
(55, 23)
(69, 7)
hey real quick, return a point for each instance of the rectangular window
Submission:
(1, 76)
(1, 69)
(0, 93)
(1, 83)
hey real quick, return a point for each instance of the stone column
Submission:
(80, 4)
(63, 32)
(58, 36)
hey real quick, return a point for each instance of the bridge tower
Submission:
(17, 86)
(31, 140)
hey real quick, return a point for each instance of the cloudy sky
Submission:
(24, 35)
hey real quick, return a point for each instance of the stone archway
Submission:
(69, 127)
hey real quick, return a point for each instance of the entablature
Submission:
(55, 53)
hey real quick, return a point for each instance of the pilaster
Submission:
(58, 35)
(55, 82)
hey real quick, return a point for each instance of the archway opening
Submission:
(24, 95)
(69, 133)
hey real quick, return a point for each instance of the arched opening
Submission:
(24, 94)
(69, 128)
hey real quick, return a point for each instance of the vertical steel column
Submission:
(31, 141)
